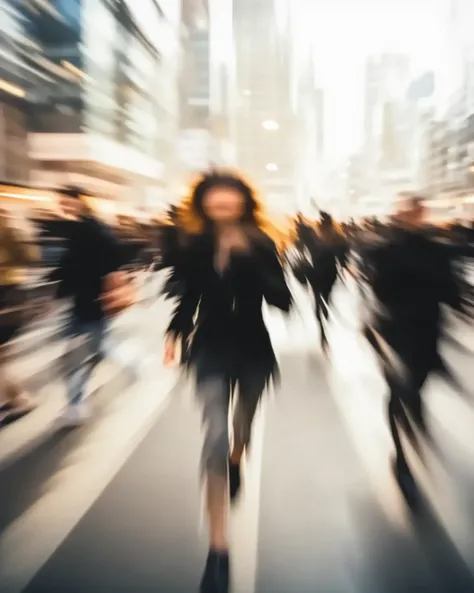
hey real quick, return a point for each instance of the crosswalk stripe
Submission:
(245, 519)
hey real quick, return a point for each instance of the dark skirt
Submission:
(234, 357)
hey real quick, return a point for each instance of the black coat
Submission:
(228, 334)
(92, 252)
(411, 277)
(320, 272)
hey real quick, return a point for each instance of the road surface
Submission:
(115, 507)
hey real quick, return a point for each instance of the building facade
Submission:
(309, 122)
(450, 139)
(207, 86)
(106, 127)
(266, 130)
(23, 69)
(195, 87)
(222, 83)
(387, 122)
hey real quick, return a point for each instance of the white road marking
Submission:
(31, 540)
(21, 437)
(245, 520)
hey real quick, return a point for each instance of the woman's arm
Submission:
(274, 287)
(183, 285)
(181, 323)
(268, 272)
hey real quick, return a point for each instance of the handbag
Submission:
(119, 293)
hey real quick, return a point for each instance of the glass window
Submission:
(53, 30)
(101, 36)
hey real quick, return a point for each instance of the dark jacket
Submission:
(229, 332)
(320, 272)
(91, 253)
(411, 277)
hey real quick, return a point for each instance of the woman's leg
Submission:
(250, 391)
(214, 396)
(322, 315)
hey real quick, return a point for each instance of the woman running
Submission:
(224, 271)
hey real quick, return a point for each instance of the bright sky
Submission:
(345, 32)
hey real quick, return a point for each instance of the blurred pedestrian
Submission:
(221, 275)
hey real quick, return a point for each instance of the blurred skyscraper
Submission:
(309, 122)
(195, 89)
(222, 83)
(207, 85)
(266, 129)
(388, 130)
(102, 129)
(21, 71)
(100, 81)
(449, 142)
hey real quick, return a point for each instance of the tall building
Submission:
(207, 85)
(195, 113)
(387, 78)
(14, 167)
(309, 123)
(23, 70)
(387, 125)
(106, 127)
(222, 83)
(450, 139)
(266, 134)
(461, 24)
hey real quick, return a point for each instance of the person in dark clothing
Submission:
(327, 248)
(228, 266)
(92, 253)
(411, 276)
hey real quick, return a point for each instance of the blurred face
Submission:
(411, 212)
(71, 206)
(223, 205)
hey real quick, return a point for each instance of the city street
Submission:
(115, 506)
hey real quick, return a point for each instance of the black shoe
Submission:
(235, 480)
(216, 574)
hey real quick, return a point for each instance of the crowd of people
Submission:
(223, 258)
(78, 256)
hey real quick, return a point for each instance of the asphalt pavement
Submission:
(115, 506)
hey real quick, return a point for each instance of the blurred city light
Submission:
(271, 167)
(11, 89)
(270, 125)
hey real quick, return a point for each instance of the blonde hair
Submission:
(193, 223)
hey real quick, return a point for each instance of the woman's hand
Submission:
(119, 293)
(234, 239)
(169, 355)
